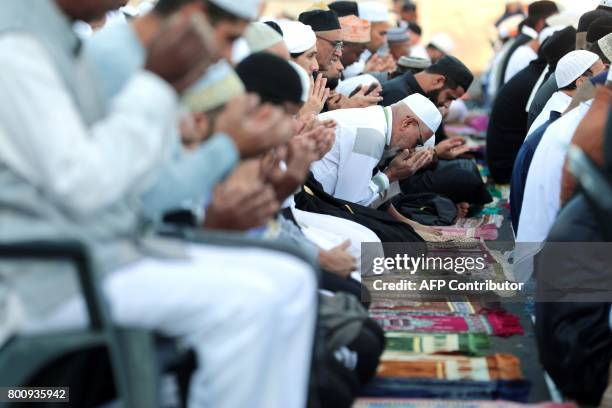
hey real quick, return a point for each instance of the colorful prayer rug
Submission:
(516, 390)
(462, 307)
(416, 403)
(494, 367)
(399, 344)
(495, 322)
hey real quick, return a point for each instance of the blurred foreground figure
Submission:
(80, 179)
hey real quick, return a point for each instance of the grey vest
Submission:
(116, 234)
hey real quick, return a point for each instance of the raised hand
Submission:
(363, 99)
(240, 207)
(182, 51)
(406, 164)
(298, 155)
(338, 261)
(317, 96)
(451, 148)
(255, 129)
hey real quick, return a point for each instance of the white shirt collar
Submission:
(529, 31)
(388, 124)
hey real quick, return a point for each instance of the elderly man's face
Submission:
(351, 53)
(329, 44)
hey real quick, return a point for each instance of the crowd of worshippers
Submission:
(549, 90)
(315, 134)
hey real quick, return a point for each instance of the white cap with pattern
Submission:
(573, 65)
(425, 110)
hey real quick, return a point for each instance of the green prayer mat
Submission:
(412, 343)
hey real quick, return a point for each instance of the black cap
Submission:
(320, 20)
(270, 77)
(587, 19)
(542, 9)
(454, 70)
(599, 28)
(275, 27)
(409, 6)
(344, 8)
(559, 44)
(415, 28)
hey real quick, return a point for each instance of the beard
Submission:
(433, 96)
(332, 83)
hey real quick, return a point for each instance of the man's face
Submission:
(399, 50)
(410, 16)
(89, 10)
(308, 60)
(409, 133)
(379, 36)
(445, 96)
(351, 53)
(327, 47)
(226, 33)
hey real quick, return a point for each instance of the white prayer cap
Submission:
(509, 27)
(425, 110)
(218, 85)
(573, 65)
(564, 19)
(443, 42)
(548, 32)
(298, 37)
(304, 79)
(240, 50)
(260, 36)
(347, 86)
(605, 45)
(373, 11)
(246, 9)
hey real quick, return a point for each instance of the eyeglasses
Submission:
(420, 142)
(337, 44)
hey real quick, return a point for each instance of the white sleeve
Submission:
(43, 138)
(355, 183)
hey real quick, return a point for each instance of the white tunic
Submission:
(541, 201)
(559, 102)
(519, 61)
(346, 170)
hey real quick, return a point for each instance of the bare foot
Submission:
(462, 210)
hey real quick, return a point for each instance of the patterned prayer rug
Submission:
(399, 344)
(493, 367)
(414, 403)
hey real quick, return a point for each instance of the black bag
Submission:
(314, 199)
(426, 208)
(458, 180)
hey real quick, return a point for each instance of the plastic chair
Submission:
(136, 373)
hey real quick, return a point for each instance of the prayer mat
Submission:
(463, 307)
(399, 344)
(494, 367)
(515, 390)
(480, 221)
(424, 403)
(486, 233)
(495, 322)
(432, 324)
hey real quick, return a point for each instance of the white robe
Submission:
(541, 201)
(346, 170)
(519, 61)
(559, 102)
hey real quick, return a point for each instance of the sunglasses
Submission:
(337, 44)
